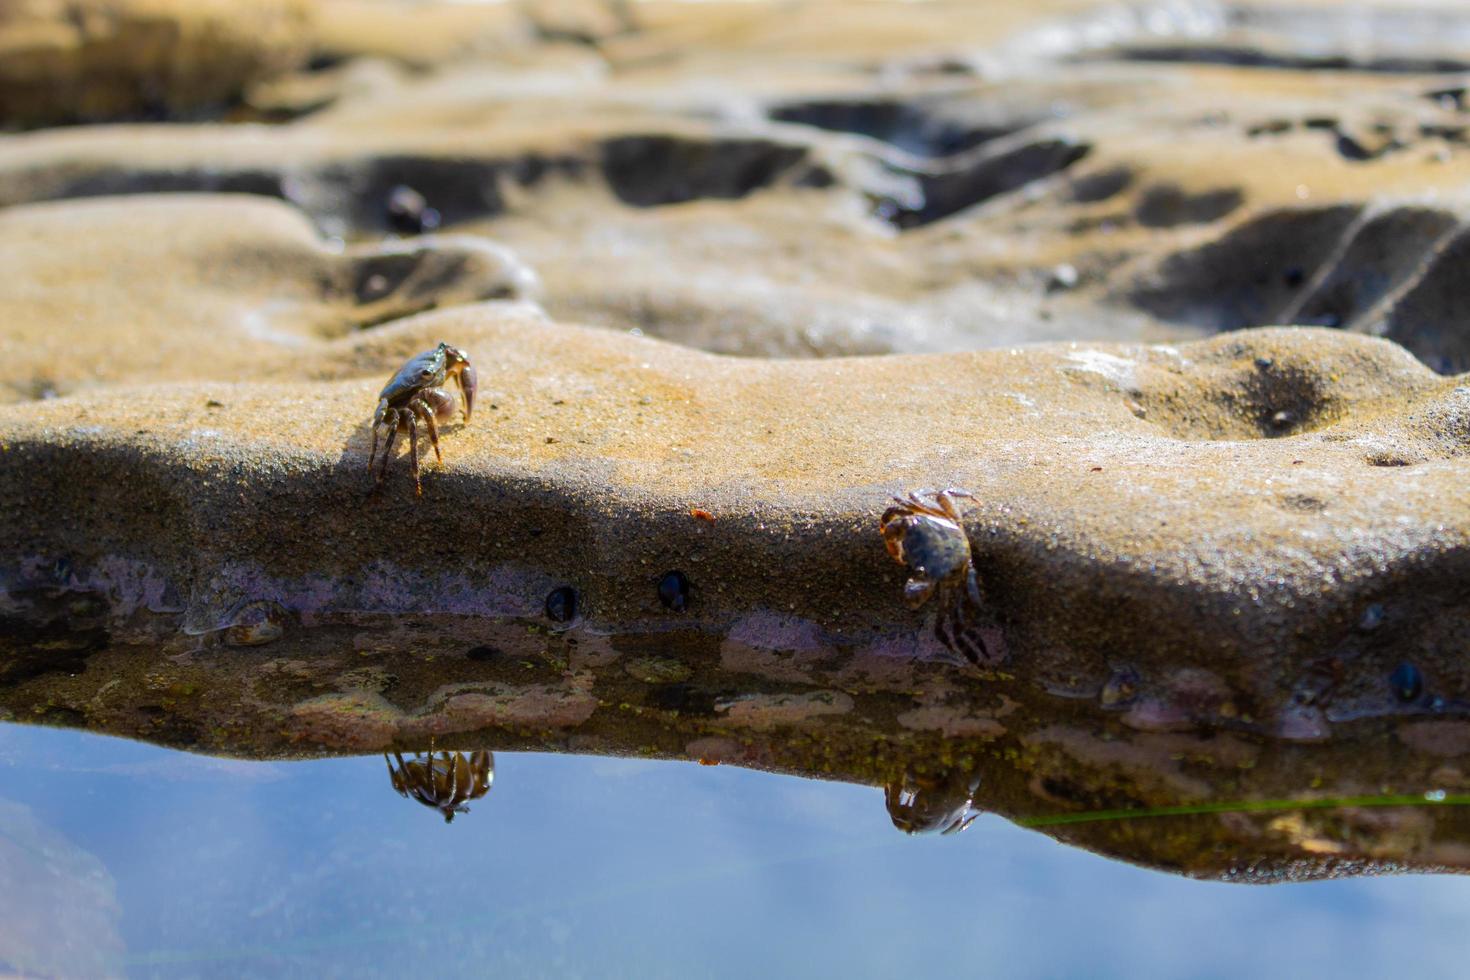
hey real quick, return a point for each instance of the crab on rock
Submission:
(929, 539)
(416, 392)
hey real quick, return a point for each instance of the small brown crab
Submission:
(930, 540)
(446, 781)
(416, 392)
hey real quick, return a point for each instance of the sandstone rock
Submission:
(852, 215)
(105, 59)
(181, 288)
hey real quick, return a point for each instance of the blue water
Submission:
(577, 866)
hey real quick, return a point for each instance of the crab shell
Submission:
(935, 549)
(424, 373)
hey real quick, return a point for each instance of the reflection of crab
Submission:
(930, 540)
(446, 781)
(415, 392)
(920, 804)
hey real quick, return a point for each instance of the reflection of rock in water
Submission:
(445, 781)
(58, 905)
(921, 803)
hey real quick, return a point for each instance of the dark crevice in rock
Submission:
(1249, 57)
(947, 192)
(910, 127)
(63, 629)
(108, 182)
(1384, 254)
(1450, 97)
(1350, 148)
(1399, 274)
(1429, 318)
(361, 191)
(1361, 145)
(1167, 205)
(354, 194)
(1100, 185)
(1250, 276)
(324, 61)
(653, 170)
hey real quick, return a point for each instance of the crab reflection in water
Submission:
(923, 803)
(446, 781)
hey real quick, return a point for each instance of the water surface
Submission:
(584, 866)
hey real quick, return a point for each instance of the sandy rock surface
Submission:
(67, 61)
(1208, 558)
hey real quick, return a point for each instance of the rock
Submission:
(828, 216)
(164, 289)
(92, 60)
(1255, 555)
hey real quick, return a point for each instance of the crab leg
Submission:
(413, 449)
(453, 763)
(423, 411)
(377, 421)
(391, 420)
(945, 499)
(916, 504)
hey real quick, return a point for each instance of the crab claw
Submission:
(442, 402)
(467, 383)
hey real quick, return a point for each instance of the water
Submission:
(584, 866)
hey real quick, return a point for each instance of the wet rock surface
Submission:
(1210, 561)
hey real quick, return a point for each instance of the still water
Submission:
(119, 858)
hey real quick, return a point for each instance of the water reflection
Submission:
(446, 781)
(921, 803)
(623, 867)
(58, 904)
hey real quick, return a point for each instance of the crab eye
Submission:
(426, 373)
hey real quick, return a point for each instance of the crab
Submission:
(446, 781)
(928, 538)
(416, 393)
(919, 804)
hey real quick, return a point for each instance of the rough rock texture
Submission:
(184, 288)
(1214, 564)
